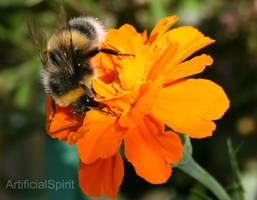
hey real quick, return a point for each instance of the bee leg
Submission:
(52, 106)
(87, 90)
(99, 109)
(116, 53)
(52, 112)
(107, 51)
(74, 116)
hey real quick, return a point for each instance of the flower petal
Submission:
(161, 27)
(194, 66)
(103, 177)
(189, 106)
(60, 124)
(164, 61)
(148, 95)
(190, 40)
(131, 70)
(125, 39)
(104, 90)
(100, 136)
(105, 67)
(150, 150)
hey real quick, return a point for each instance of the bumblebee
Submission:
(68, 70)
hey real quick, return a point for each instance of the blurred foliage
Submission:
(24, 145)
(239, 189)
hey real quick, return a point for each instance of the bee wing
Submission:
(62, 21)
(63, 24)
(39, 40)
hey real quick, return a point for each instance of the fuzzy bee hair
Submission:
(68, 69)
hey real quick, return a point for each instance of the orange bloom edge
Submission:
(144, 93)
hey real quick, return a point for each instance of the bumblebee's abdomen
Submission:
(66, 89)
(69, 97)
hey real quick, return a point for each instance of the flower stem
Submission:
(193, 169)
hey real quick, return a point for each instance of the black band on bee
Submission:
(87, 30)
(61, 82)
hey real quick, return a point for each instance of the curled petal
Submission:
(164, 61)
(170, 146)
(189, 106)
(102, 177)
(60, 124)
(105, 68)
(132, 70)
(161, 27)
(118, 38)
(111, 95)
(100, 136)
(150, 150)
(104, 90)
(149, 93)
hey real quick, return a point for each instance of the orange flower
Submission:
(144, 93)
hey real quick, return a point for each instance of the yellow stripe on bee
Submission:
(73, 95)
(70, 97)
(79, 40)
(63, 38)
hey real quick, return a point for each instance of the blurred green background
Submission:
(27, 152)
